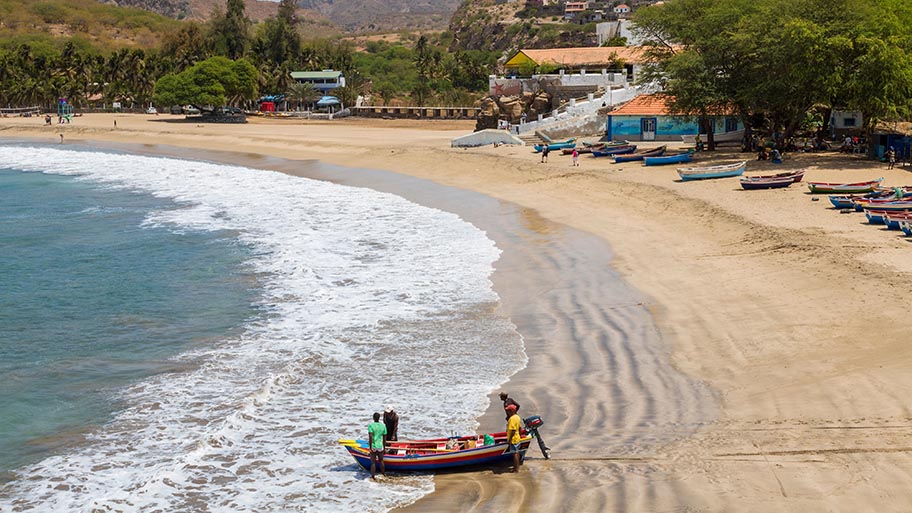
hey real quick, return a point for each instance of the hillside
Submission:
(95, 23)
(348, 15)
(357, 15)
(491, 26)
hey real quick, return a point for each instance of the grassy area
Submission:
(106, 27)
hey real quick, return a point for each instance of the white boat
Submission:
(721, 171)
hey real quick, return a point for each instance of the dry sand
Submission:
(786, 315)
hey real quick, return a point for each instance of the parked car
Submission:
(151, 110)
(190, 109)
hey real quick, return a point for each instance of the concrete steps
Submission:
(531, 139)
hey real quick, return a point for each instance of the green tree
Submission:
(213, 82)
(777, 59)
(230, 32)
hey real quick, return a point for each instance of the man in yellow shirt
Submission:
(513, 436)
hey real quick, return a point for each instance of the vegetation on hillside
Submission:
(86, 23)
(489, 26)
(417, 71)
(776, 61)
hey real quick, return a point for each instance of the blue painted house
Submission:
(647, 118)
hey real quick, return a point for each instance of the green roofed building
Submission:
(323, 81)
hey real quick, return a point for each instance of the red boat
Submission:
(440, 453)
(844, 188)
(776, 181)
(447, 453)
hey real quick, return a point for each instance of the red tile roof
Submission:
(587, 56)
(644, 105)
(657, 105)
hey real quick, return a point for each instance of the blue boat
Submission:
(906, 227)
(703, 173)
(678, 158)
(843, 201)
(569, 143)
(875, 216)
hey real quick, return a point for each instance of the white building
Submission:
(611, 29)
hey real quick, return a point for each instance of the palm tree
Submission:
(302, 93)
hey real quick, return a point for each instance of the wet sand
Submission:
(786, 319)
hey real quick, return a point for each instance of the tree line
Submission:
(416, 71)
(783, 65)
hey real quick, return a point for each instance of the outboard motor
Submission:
(532, 424)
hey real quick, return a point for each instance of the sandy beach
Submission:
(784, 321)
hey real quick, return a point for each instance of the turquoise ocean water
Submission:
(90, 300)
(178, 335)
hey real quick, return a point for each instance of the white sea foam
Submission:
(367, 298)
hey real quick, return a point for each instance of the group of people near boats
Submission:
(380, 434)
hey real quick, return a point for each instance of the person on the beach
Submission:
(545, 152)
(507, 402)
(776, 156)
(891, 158)
(391, 421)
(575, 157)
(376, 430)
(513, 436)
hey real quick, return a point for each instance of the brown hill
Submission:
(350, 15)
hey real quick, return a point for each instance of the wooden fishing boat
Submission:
(778, 181)
(584, 149)
(617, 150)
(631, 157)
(433, 454)
(906, 227)
(881, 195)
(677, 158)
(721, 171)
(893, 220)
(875, 216)
(797, 175)
(845, 188)
(569, 143)
(848, 200)
(891, 206)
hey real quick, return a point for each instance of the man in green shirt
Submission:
(376, 430)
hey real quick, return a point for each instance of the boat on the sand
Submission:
(677, 158)
(777, 181)
(640, 155)
(844, 188)
(709, 172)
(569, 143)
(614, 150)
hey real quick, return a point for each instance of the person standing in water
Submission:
(376, 431)
(391, 421)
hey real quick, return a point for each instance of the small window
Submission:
(731, 124)
(848, 121)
